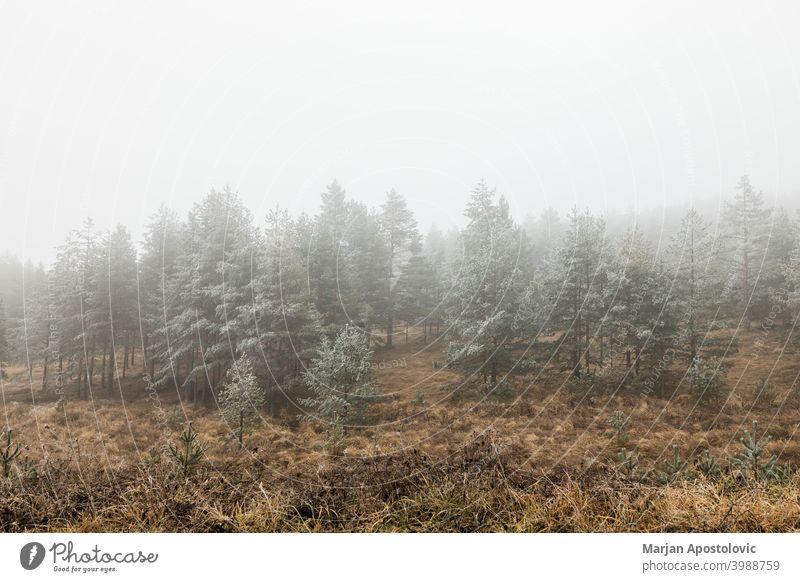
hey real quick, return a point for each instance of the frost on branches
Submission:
(242, 397)
(340, 379)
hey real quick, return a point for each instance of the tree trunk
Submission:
(389, 331)
(112, 361)
(103, 363)
(586, 353)
(194, 379)
(271, 402)
(602, 354)
(44, 373)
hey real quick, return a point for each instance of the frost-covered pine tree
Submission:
(483, 337)
(340, 379)
(641, 309)
(280, 325)
(630, 294)
(242, 397)
(746, 225)
(158, 262)
(367, 254)
(696, 283)
(71, 289)
(210, 283)
(790, 295)
(780, 259)
(116, 292)
(399, 229)
(574, 278)
(332, 278)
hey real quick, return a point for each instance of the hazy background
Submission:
(110, 108)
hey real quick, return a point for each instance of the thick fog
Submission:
(109, 110)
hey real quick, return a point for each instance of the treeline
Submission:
(285, 292)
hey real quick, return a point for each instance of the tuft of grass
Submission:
(9, 454)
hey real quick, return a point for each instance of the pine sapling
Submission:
(752, 460)
(619, 424)
(673, 467)
(340, 379)
(190, 453)
(708, 465)
(27, 469)
(629, 461)
(242, 398)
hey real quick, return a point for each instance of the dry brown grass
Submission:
(475, 490)
(549, 465)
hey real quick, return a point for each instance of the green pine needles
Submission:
(755, 461)
(190, 453)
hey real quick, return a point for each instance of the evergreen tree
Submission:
(161, 247)
(694, 256)
(366, 251)
(340, 379)
(211, 277)
(543, 232)
(782, 239)
(632, 303)
(36, 319)
(417, 294)
(399, 229)
(110, 302)
(789, 297)
(573, 280)
(119, 281)
(483, 339)
(746, 226)
(279, 324)
(242, 397)
(73, 294)
(331, 275)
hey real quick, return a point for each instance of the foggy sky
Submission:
(109, 109)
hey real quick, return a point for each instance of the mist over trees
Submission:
(287, 312)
